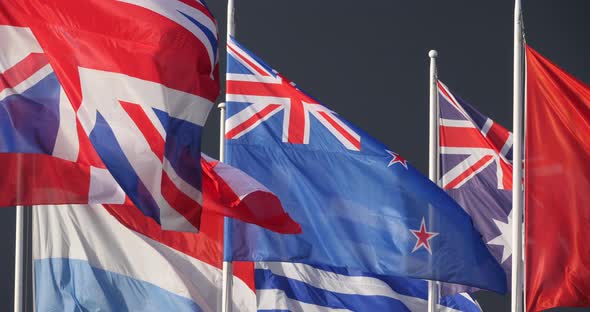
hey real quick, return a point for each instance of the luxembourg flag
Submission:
(112, 258)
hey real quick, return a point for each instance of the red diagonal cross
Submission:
(296, 110)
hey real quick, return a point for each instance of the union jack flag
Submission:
(249, 80)
(464, 131)
(476, 169)
(132, 101)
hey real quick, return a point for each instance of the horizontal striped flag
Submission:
(300, 287)
(108, 258)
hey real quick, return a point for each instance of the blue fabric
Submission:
(29, 121)
(183, 147)
(356, 209)
(109, 150)
(74, 285)
(307, 293)
(412, 293)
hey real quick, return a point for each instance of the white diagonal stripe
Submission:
(487, 126)
(184, 187)
(172, 9)
(344, 284)
(17, 44)
(243, 54)
(66, 145)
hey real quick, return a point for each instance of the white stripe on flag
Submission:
(275, 299)
(90, 233)
(456, 123)
(67, 144)
(344, 284)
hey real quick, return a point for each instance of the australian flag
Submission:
(361, 205)
(475, 156)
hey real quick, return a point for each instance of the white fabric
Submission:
(90, 233)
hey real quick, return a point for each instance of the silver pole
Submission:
(517, 191)
(18, 260)
(433, 159)
(227, 265)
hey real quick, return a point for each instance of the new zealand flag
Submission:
(361, 206)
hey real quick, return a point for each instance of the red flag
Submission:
(557, 187)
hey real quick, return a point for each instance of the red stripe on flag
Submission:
(22, 70)
(39, 179)
(147, 128)
(199, 6)
(449, 97)
(247, 61)
(259, 88)
(507, 175)
(297, 114)
(498, 136)
(168, 53)
(480, 163)
(462, 137)
(354, 141)
(179, 201)
(252, 120)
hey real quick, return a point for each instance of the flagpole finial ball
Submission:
(221, 105)
(433, 54)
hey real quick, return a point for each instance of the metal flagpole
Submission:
(517, 207)
(18, 260)
(433, 159)
(227, 265)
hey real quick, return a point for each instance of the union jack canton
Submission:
(269, 93)
(476, 171)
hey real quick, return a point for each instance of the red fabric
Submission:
(207, 245)
(36, 179)
(260, 207)
(557, 187)
(117, 37)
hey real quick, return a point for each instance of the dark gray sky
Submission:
(368, 61)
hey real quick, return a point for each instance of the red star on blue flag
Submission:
(396, 159)
(423, 237)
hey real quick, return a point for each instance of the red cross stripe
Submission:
(268, 93)
(479, 142)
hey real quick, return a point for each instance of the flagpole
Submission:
(18, 259)
(517, 193)
(226, 292)
(433, 159)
